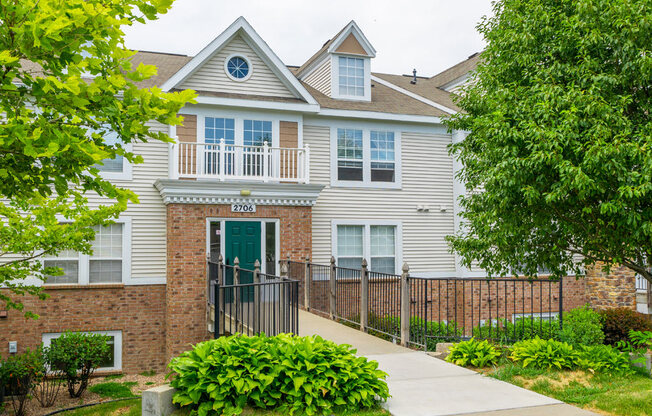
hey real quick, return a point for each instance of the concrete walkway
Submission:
(421, 385)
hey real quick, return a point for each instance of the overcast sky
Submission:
(429, 35)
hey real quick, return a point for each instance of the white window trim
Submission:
(263, 237)
(117, 345)
(366, 159)
(366, 239)
(84, 259)
(335, 78)
(127, 168)
(534, 315)
(246, 59)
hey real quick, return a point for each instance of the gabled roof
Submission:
(243, 28)
(456, 71)
(334, 43)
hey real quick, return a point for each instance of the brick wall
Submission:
(186, 252)
(616, 289)
(137, 311)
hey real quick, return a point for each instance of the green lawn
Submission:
(133, 408)
(627, 395)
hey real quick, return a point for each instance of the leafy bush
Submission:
(77, 355)
(48, 382)
(617, 323)
(582, 326)
(541, 353)
(431, 333)
(473, 353)
(20, 373)
(523, 328)
(603, 358)
(294, 374)
(641, 339)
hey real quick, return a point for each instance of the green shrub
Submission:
(603, 358)
(473, 353)
(20, 373)
(431, 333)
(641, 340)
(293, 374)
(617, 323)
(77, 355)
(541, 353)
(524, 328)
(49, 379)
(582, 326)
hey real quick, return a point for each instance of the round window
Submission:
(238, 67)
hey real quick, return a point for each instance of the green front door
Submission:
(242, 240)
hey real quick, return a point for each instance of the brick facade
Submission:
(186, 252)
(137, 311)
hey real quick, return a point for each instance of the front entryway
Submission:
(242, 241)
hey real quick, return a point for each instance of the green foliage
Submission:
(641, 339)
(582, 326)
(473, 353)
(148, 373)
(67, 82)
(113, 389)
(603, 358)
(77, 355)
(618, 322)
(20, 372)
(560, 139)
(524, 328)
(542, 353)
(295, 374)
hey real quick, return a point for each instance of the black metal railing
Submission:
(250, 302)
(424, 311)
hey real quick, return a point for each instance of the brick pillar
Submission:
(616, 289)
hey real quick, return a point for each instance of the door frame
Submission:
(263, 235)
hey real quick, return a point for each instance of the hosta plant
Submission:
(603, 358)
(307, 375)
(473, 353)
(540, 353)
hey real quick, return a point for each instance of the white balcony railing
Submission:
(224, 161)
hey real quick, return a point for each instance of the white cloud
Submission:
(429, 35)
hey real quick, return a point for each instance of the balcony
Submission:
(223, 161)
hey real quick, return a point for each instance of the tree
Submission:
(66, 81)
(559, 153)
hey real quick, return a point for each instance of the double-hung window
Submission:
(351, 74)
(255, 133)
(366, 158)
(105, 265)
(118, 167)
(382, 156)
(349, 155)
(217, 129)
(378, 243)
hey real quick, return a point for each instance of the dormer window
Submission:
(351, 76)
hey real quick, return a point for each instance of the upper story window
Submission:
(366, 158)
(118, 167)
(218, 128)
(349, 155)
(351, 76)
(237, 67)
(257, 132)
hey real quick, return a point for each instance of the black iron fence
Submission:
(421, 311)
(250, 302)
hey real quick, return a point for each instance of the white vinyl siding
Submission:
(320, 77)
(148, 217)
(212, 77)
(427, 180)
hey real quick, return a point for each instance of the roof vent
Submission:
(414, 74)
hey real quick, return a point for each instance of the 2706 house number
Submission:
(243, 208)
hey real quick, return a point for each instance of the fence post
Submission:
(331, 290)
(283, 296)
(561, 303)
(256, 317)
(405, 305)
(364, 297)
(219, 294)
(236, 297)
(307, 281)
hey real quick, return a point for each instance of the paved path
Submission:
(421, 385)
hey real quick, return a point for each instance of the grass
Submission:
(122, 408)
(612, 394)
(148, 373)
(113, 390)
